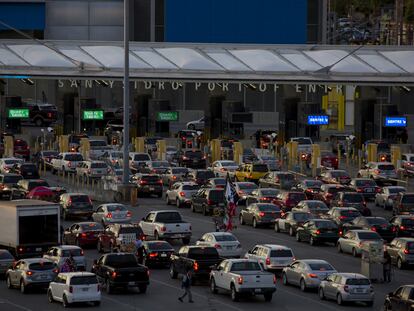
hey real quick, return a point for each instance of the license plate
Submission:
(369, 190)
(29, 174)
(257, 290)
(229, 247)
(163, 255)
(99, 172)
(43, 276)
(151, 189)
(359, 290)
(85, 289)
(131, 283)
(38, 249)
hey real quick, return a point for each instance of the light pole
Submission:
(125, 177)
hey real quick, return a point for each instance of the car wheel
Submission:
(298, 237)
(177, 203)
(285, 279)
(167, 200)
(213, 287)
(242, 220)
(254, 224)
(65, 302)
(109, 288)
(354, 252)
(234, 294)
(291, 231)
(23, 288)
(38, 122)
(9, 283)
(50, 296)
(321, 294)
(303, 287)
(312, 241)
(277, 229)
(142, 289)
(173, 273)
(339, 248)
(339, 300)
(268, 297)
(400, 264)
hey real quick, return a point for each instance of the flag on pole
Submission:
(231, 199)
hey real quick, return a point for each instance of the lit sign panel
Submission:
(318, 120)
(92, 114)
(19, 113)
(395, 121)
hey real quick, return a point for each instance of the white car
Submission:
(222, 167)
(196, 125)
(59, 254)
(75, 287)
(6, 164)
(273, 257)
(66, 161)
(226, 243)
(138, 159)
(304, 144)
(112, 213)
(98, 148)
(92, 169)
(180, 193)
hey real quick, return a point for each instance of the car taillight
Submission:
(406, 251)
(342, 217)
(274, 279)
(163, 229)
(402, 228)
(152, 255)
(81, 252)
(69, 164)
(240, 280)
(27, 148)
(113, 275)
(393, 229)
(210, 202)
(174, 177)
(185, 158)
(20, 250)
(29, 273)
(374, 229)
(318, 231)
(49, 114)
(341, 232)
(195, 266)
(261, 214)
(128, 214)
(312, 275)
(160, 181)
(83, 235)
(360, 190)
(377, 189)
(217, 245)
(70, 201)
(181, 194)
(346, 288)
(70, 289)
(109, 215)
(267, 261)
(55, 271)
(143, 182)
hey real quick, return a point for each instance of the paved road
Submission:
(163, 291)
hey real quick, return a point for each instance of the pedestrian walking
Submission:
(186, 285)
(387, 268)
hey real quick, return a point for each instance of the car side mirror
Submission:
(218, 268)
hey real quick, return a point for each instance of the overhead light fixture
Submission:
(28, 81)
(406, 88)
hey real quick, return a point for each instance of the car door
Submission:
(59, 286)
(220, 274)
(329, 286)
(293, 273)
(14, 273)
(146, 224)
(282, 221)
(247, 217)
(346, 241)
(99, 214)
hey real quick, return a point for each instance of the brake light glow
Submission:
(240, 280)
(312, 275)
(109, 215)
(128, 214)
(143, 182)
(195, 266)
(55, 271)
(342, 217)
(217, 245)
(318, 232)
(267, 261)
(81, 252)
(113, 275)
(274, 279)
(261, 214)
(402, 228)
(406, 251)
(181, 194)
(394, 229)
(29, 273)
(69, 164)
(374, 229)
(163, 229)
(83, 235)
(152, 255)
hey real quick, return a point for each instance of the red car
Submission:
(83, 233)
(329, 159)
(288, 200)
(21, 149)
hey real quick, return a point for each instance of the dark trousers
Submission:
(387, 275)
(187, 291)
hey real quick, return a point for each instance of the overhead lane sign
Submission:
(395, 121)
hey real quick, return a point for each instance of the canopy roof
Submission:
(376, 65)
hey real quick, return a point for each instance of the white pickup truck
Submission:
(304, 144)
(242, 277)
(66, 161)
(166, 224)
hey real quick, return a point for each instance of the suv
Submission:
(200, 177)
(351, 199)
(92, 169)
(42, 113)
(75, 204)
(401, 251)
(381, 172)
(192, 159)
(401, 299)
(117, 237)
(272, 257)
(289, 199)
(279, 180)
(21, 149)
(148, 184)
(251, 172)
(7, 182)
(403, 204)
(66, 162)
(138, 160)
(206, 200)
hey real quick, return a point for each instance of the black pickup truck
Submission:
(199, 259)
(121, 270)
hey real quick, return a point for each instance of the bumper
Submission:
(257, 291)
(33, 284)
(358, 297)
(312, 282)
(88, 241)
(327, 239)
(150, 189)
(175, 235)
(79, 213)
(129, 283)
(83, 298)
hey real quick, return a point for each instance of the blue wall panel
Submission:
(23, 16)
(236, 21)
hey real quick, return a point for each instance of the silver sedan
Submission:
(112, 213)
(353, 241)
(180, 193)
(307, 273)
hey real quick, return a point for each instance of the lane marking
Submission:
(15, 305)
(121, 303)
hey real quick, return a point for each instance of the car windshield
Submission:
(42, 266)
(98, 165)
(358, 282)
(313, 183)
(205, 174)
(5, 255)
(169, 217)
(124, 260)
(353, 198)
(301, 216)
(34, 184)
(79, 199)
(219, 181)
(76, 157)
(180, 170)
(350, 214)
(245, 266)
(281, 253)
(303, 141)
(268, 208)
(11, 179)
(117, 155)
(261, 168)
(74, 252)
(377, 221)
(142, 157)
(408, 199)
(116, 208)
(225, 238)
(191, 187)
(216, 196)
(273, 192)
(321, 267)
(83, 280)
(365, 183)
(159, 246)
(369, 236)
(316, 205)
(160, 164)
(386, 167)
(383, 146)
(8, 162)
(245, 186)
(92, 226)
(228, 163)
(202, 253)
(325, 224)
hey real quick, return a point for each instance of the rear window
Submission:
(225, 238)
(301, 216)
(142, 157)
(281, 253)
(369, 236)
(325, 225)
(246, 266)
(216, 195)
(317, 205)
(116, 208)
(83, 280)
(219, 181)
(159, 246)
(179, 170)
(339, 174)
(228, 163)
(5, 255)
(407, 222)
(297, 196)
(194, 154)
(73, 252)
(160, 164)
(350, 214)
(364, 183)
(152, 178)
(286, 176)
(269, 208)
(387, 167)
(321, 266)
(42, 266)
(11, 179)
(8, 162)
(377, 221)
(260, 168)
(117, 155)
(47, 107)
(247, 186)
(50, 153)
(353, 198)
(73, 157)
(313, 183)
(334, 190)
(79, 198)
(91, 226)
(169, 217)
(409, 199)
(269, 192)
(202, 253)
(358, 282)
(126, 230)
(35, 184)
(191, 187)
(99, 165)
(125, 260)
(205, 174)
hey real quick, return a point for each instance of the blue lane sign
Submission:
(318, 120)
(395, 121)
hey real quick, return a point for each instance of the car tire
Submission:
(277, 229)
(254, 223)
(65, 302)
(186, 241)
(96, 303)
(291, 231)
(50, 296)
(23, 288)
(400, 264)
(268, 297)
(302, 284)
(109, 288)
(38, 122)
(285, 280)
(339, 300)
(298, 237)
(213, 287)
(321, 293)
(241, 220)
(9, 283)
(142, 289)
(354, 252)
(339, 248)
(173, 273)
(167, 200)
(234, 294)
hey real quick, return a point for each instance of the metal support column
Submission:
(125, 177)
